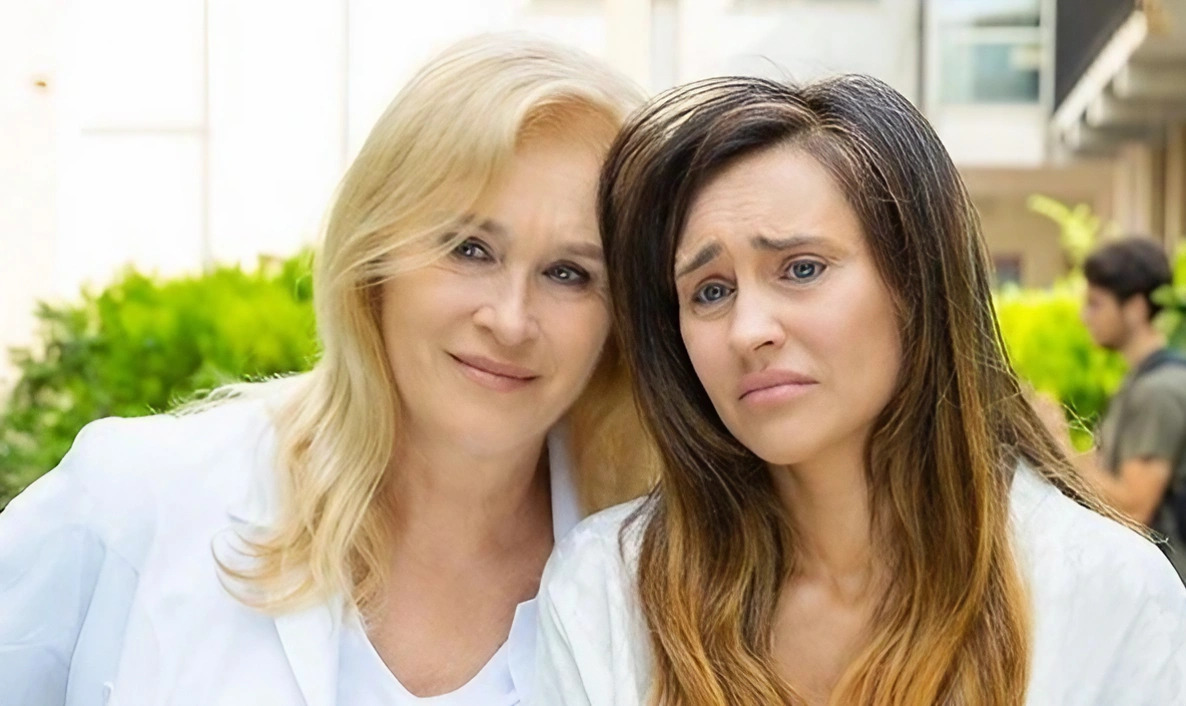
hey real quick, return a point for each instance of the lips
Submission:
(772, 379)
(496, 368)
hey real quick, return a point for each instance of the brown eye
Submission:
(568, 274)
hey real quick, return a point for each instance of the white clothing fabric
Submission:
(1109, 611)
(365, 680)
(110, 595)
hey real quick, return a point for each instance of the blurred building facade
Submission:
(172, 135)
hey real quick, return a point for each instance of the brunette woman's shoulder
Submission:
(593, 645)
(1108, 609)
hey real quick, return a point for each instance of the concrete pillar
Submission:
(1134, 185)
(1175, 185)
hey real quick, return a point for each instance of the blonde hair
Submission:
(433, 154)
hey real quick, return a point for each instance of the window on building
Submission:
(1007, 267)
(989, 51)
(756, 5)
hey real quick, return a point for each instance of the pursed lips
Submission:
(764, 383)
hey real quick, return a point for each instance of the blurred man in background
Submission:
(1140, 462)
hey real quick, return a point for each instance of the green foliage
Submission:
(1079, 227)
(1173, 298)
(1052, 351)
(143, 344)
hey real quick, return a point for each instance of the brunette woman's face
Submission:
(785, 317)
(491, 345)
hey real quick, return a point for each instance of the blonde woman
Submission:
(372, 532)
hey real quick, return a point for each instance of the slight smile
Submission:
(494, 375)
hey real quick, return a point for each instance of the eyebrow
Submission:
(490, 226)
(705, 255)
(761, 242)
(584, 248)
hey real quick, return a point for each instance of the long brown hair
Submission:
(954, 625)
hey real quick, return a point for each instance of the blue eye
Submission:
(711, 293)
(568, 274)
(805, 270)
(471, 249)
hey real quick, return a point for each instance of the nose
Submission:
(508, 314)
(755, 323)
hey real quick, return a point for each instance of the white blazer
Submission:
(109, 593)
(1109, 611)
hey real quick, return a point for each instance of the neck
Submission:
(450, 503)
(1141, 345)
(827, 499)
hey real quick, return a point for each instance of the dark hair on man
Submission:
(1131, 267)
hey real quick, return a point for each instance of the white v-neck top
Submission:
(1109, 611)
(365, 680)
(110, 594)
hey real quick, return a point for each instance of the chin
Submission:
(780, 453)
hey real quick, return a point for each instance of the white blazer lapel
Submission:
(311, 640)
(310, 637)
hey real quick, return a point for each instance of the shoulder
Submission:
(603, 546)
(1082, 563)
(1166, 382)
(1062, 536)
(1107, 605)
(126, 454)
(590, 578)
(593, 645)
(124, 478)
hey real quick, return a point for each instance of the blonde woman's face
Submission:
(492, 344)
(783, 311)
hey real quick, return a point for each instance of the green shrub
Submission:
(1051, 349)
(143, 344)
(1173, 298)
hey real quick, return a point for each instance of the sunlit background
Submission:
(174, 135)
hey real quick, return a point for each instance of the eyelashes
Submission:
(566, 274)
(799, 271)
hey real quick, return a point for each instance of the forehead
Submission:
(548, 187)
(776, 192)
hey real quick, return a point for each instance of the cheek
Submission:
(578, 332)
(856, 336)
(419, 305)
(709, 355)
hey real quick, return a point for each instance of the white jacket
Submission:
(109, 593)
(1109, 611)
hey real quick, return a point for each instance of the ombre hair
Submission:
(953, 626)
(440, 146)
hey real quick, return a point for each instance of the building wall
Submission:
(1013, 230)
(28, 167)
(800, 39)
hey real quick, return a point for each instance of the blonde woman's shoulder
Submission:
(123, 478)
